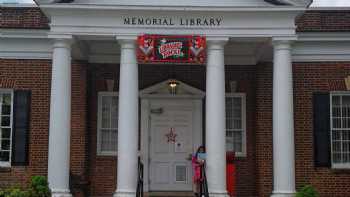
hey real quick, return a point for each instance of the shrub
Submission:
(13, 192)
(307, 191)
(39, 187)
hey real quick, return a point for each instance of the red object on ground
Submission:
(230, 174)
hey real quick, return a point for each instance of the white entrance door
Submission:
(171, 143)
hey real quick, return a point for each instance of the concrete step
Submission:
(169, 194)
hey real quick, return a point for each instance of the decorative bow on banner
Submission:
(171, 49)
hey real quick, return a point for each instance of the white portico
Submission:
(227, 25)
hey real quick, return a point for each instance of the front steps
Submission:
(168, 194)
(163, 194)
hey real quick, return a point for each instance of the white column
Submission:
(283, 121)
(127, 119)
(215, 118)
(60, 117)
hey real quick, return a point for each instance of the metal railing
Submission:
(139, 189)
(203, 190)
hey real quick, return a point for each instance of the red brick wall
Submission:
(23, 18)
(32, 75)
(98, 174)
(263, 132)
(324, 21)
(103, 169)
(35, 75)
(308, 78)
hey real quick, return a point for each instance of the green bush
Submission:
(307, 191)
(38, 188)
(13, 192)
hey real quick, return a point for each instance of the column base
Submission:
(61, 194)
(283, 194)
(124, 194)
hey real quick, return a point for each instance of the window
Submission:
(340, 130)
(6, 112)
(235, 123)
(107, 133)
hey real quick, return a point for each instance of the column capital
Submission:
(217, 42)
(127, 41)
(61, 41)
(283, 43)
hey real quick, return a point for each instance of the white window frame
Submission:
(336, 93)
(99, 124)
(7, 163)
(244, 127)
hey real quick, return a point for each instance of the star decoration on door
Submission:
(171, 136)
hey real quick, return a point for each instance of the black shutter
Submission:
(322, 148)
(21, 126)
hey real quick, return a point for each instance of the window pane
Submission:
(5, 133)
(6, 99)
(337, 123)
(5, 145)
(336, 146)
(341, 122)
(346, 100)
(336, 100)
(336, 111)
(234, 124)
(5, 121)
(337, 158)
(114, 113)
(346, 158)
(105, 144)
(106, 111)
(4, 156)
(6, 110)
(114, 140)
(229, 144)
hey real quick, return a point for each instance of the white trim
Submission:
(336, 165)
(193, 92)
(146, 99)
(171, 8)
(3, 90)
(244, 121)
(145, 133)
(99, 122)
(321, 51)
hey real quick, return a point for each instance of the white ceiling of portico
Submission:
(236, 52)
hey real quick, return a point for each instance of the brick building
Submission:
(81, 99)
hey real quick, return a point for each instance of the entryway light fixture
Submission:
(173, 86)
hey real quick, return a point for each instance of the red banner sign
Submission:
(171, 49)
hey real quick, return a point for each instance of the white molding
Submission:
(146, 98)
(322, 51)
(7, 164)
(227, 8)
(197, 104)
(190, 92)
(244, 121)
(24, 33)
(323, 36)
(336, 165)
(99, 121)
(25, 44)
